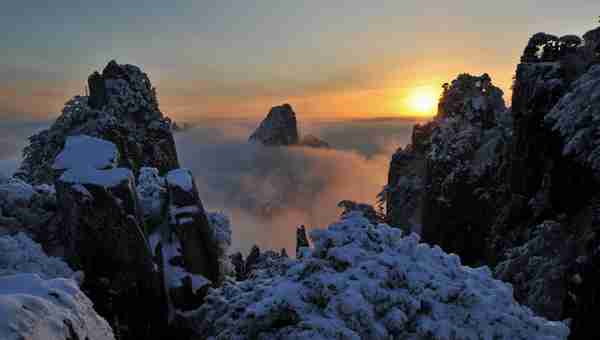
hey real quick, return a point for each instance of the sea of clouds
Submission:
(268, 191)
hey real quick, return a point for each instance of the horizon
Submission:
(225, 59)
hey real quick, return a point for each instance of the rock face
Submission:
(404, 192)
(189, 246)
(121, 108)
(278, 128)
(518, 191)
(362, 281)
(103, 233)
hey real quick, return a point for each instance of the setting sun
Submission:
(423, 100)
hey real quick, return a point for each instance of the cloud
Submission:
(268, 192)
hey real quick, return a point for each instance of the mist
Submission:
(269, 191)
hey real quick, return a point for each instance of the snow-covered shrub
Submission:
(365, 281)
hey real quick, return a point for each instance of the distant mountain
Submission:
(280, 128)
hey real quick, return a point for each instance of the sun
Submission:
(423, 100)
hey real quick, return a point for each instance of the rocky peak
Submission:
(121, 108)
(278, 128)
(473, 97)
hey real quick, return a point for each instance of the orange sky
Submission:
(238, 59)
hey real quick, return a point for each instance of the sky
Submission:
(238, 58)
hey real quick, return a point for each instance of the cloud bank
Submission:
(268, 192)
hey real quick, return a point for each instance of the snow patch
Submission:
(181, 178)
(105, 178)
(89, 151)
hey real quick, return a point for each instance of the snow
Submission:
(40, 298)
(151, 192)
(181, 178)
(20, 254)
(36, 309)
(365, 281)
(577, 116)
(105, 178)
(84, 150)
(221, 228)
(198, 282)
(186, 220)
(16, 190)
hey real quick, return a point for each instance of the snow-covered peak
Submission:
(365, 281)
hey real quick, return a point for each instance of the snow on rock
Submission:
(20, 254)
(123, 108)
(537, 269)
(16, 191)
(55, 309)
(38, 301)
(181, 178)
(365, 281)
(576, 117)
(95, 152)
(221, 230)
(103, 178)
(151, 193)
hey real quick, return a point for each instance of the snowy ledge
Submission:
(82, 150)
(104, 178)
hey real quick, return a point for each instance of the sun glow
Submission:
(423, 101)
